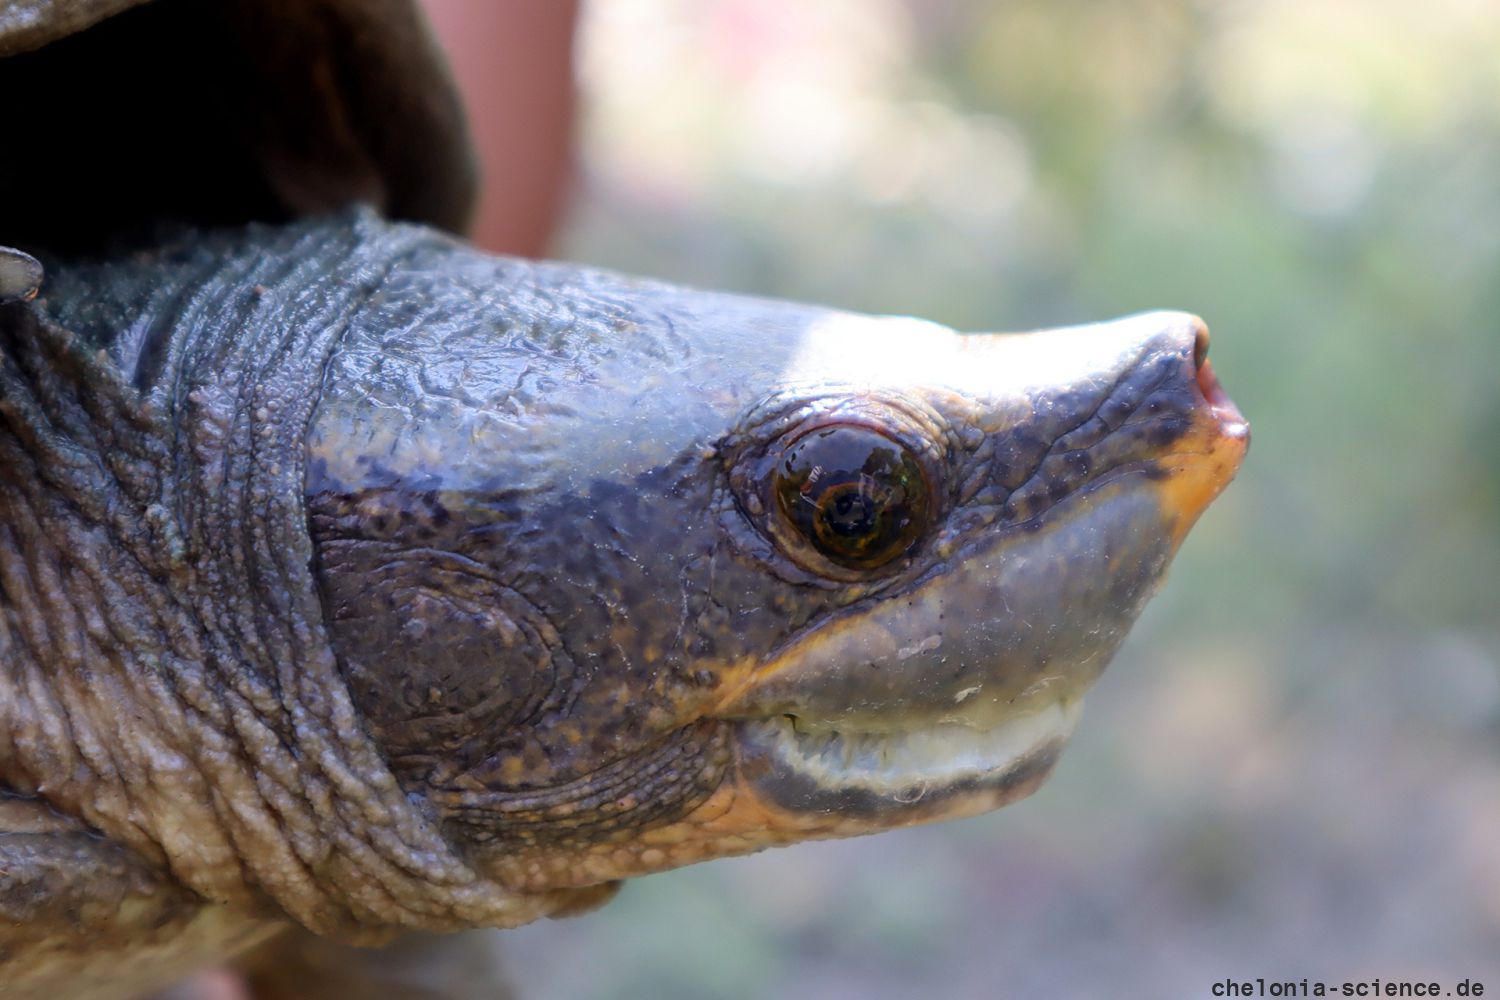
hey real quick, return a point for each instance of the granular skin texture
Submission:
(356, 581)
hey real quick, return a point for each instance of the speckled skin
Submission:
(353, 578)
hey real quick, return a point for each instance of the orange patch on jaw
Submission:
(1208, 459)
(734, 820)
(731, 821)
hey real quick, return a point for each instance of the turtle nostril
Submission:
(1200, 343)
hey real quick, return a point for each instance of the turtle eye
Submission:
(858, 497)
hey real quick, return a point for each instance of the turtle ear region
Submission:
(444, 661)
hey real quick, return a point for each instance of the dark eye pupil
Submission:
(857, 496)
(851, 515)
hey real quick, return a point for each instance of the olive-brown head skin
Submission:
(561, 559)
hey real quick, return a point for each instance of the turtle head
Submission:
(624, 576)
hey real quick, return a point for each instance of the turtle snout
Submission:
(1198, 466)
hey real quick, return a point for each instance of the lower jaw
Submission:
(925, 773)
(784, 787)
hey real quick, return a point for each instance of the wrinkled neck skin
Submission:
(164, 673)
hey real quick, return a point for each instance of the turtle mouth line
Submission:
(907, 765)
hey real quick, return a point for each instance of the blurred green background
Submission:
(1293, 769)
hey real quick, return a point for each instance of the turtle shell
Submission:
(126, 113)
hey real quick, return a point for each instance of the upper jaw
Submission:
(1016, 619)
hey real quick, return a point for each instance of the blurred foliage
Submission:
(1294, 767)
